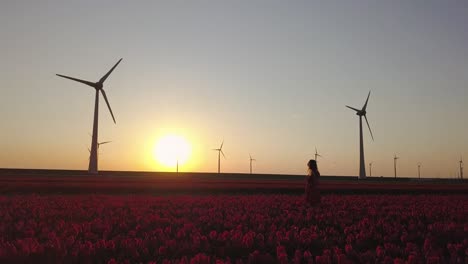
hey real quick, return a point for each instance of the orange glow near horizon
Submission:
(171, 149)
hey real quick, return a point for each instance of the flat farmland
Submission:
(63, 182)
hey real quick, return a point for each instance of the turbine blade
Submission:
(315, 150)
(365, 105)
(105, 142)
(78, 80)
(369, 128)
(108, 105)
(222, 153)
(353, 108)
(221, 147)
(109, 72)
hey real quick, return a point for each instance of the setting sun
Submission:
(172, 149)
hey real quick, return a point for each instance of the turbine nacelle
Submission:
(220, 149)
(99, 86)
(363, 112)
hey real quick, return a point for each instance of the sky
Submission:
(270, 78)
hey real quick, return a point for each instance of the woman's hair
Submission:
(312, 164)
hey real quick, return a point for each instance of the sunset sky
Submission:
(271, 78)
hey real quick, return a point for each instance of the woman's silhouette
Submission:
(312, 191)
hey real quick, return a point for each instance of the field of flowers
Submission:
(233, 229)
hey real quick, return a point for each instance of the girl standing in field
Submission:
(312, 191)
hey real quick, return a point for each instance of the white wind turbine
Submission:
(99, 144)
(98, 86)
(461, 167)
(317, 155)
(251, 159)
(220, 151)
(362, 113)
(394, 163)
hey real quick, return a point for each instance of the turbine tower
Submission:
(220, 151)
(461, 167)
(419, 170)
(362, 113)
(394, 163)
(316, 154)
(370, 169)
(98, 86)
(251, 159)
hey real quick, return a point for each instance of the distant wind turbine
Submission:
(419, 170)
(362, 113)
(220, 151)
(102, 143)
(251, 159)
(461, 167)
(99, 144)
(370, 169)
(98, 86)
(394, 163)
(316, 154)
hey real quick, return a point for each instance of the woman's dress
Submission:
(312, 190)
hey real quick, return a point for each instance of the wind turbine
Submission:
(220, 151)
(251, 159)
(419, 170)
(98, 86)
(316, 154)
(370, 169)
(102, 143)
(99, 144)
(461, 167)
(362, 113)
(394, 163)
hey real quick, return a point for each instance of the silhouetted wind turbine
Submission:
(419, 170)
(98, 86)
(220, 151)
(98, 145)
(251, 159)
(461, 168)
(316, 154)
(102, 143)
(370, 169)
(361, 113)
(394, 163)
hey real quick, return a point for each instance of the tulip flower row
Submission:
(233, 229)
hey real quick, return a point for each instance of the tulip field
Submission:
(234, 228)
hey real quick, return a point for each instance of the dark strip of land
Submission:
(20, 181)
